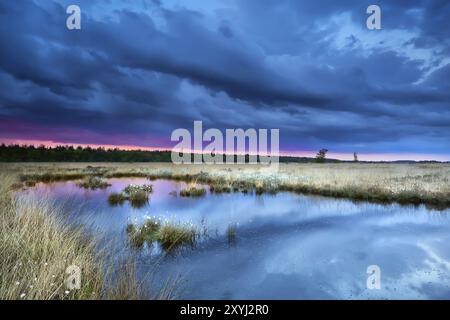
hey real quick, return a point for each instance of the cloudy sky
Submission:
(139, 69)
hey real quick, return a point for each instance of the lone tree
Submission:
(355, 156)
(321, 155)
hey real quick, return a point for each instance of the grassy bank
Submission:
(382, 183)
(36, 250)
(37, 245)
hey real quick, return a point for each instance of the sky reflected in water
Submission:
(287, 246)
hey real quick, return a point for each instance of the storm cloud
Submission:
(137, 70)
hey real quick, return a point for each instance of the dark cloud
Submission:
(311, 69)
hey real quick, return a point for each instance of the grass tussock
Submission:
(192, 190)
(115, 199)
(138, 195)
(173, 236)
(169, 235)
(93, 183)
(138, 199)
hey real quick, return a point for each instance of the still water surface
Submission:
(287, 246)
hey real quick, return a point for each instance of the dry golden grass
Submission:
(404, 183)
(36, 248)
(37, 245)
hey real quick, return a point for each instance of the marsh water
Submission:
(286, 246)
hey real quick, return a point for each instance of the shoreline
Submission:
(405, 184)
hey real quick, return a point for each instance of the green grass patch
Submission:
(169, 235)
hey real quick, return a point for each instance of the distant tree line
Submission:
(20, 153)
(29, 153)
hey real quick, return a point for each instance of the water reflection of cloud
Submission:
(288, 246)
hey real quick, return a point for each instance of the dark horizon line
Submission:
(283, 158)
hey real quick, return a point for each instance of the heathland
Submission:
(414, 183)
(37, 245)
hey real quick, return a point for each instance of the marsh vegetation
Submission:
(277, 229)
(137, 195)
(93, 183)
(382, 183)
(38, 244)
(167, 234)
(192, 190)
(37, 247)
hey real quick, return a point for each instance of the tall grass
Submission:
(125, 286)
(36, 248)
(191, 190)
